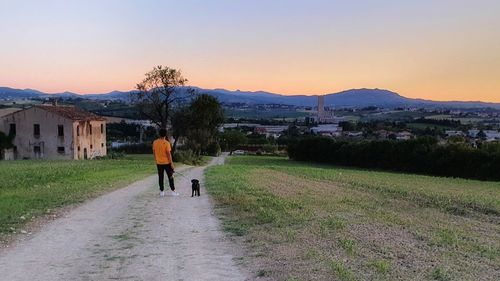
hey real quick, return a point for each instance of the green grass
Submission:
(382, 266)
(348, 245)
(30, 188)
(440, 275)
(342, 272)
(463, 120)
(449, 194)
(423, 126)
(357, 224)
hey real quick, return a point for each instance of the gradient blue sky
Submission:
(434, 49)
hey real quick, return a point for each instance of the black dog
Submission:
(196, 187)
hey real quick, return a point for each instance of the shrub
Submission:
(112, 155)
(422, 155)
(213, 149)
(187, 157)
(140, 148)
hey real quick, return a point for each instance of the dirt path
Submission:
(130, 234)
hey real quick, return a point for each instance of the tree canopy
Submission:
(161, 88)
(231, 139)
(5, 141)
(197, 122)
(205, 116)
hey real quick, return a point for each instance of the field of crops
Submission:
(300, 221)
(31, 188)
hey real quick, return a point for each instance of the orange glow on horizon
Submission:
(308, 47)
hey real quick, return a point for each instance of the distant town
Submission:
(270, 124)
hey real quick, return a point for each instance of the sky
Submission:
(431, 49)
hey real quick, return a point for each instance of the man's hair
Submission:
(163, 133)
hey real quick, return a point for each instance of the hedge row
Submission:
(423, 156)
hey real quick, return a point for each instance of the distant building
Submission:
(473, 133)
(55, 132)
(405, 135)
(7, 111)
(450, 133)
(270, 131)
(230, 126)
(323, 115)
(142, 123)
(492, 135)
(354, 134)
(332, 130)
(382, 134)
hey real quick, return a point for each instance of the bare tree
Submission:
(158, 91)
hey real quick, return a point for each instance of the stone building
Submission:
(55, 132)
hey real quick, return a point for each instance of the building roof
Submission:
(71, 112)
(7, 111)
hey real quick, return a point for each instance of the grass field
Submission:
(31, 188)
(463, 120)
(423, 126)
(301, 221)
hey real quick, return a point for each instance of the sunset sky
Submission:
(432, 49)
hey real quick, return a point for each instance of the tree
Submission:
(481, 135)
(5, 143)
(158, 91)
(256, 138)
(205, 117)
(231, 139)
(122, 131)
(180, 122)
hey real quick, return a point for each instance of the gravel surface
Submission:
(130, 234)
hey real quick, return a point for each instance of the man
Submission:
(164, 163)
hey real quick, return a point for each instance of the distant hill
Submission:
(349, 98)
(10, 93)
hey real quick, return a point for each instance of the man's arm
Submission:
(169, 156)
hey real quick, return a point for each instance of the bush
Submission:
(112, 155)
(269, 149)
(421, 155)
(187, 157)
(213, 149)
(141, 148)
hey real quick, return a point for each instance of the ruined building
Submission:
(55, 132)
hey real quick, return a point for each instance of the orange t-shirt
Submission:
(161, 148)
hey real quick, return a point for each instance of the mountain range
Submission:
(349, 98)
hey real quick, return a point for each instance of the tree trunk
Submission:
(174, 147)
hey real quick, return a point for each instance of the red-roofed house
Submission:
(55, 132)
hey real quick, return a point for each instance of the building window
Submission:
(102, 128)
(37, 149)
(102, 144)
(91, 146)
(90, 129)
(60, 149)
(12, 129)
(78, 131)
(78, 148)
(36, 130)
(60, 130)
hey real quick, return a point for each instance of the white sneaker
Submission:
(162, 193)
(175, 193)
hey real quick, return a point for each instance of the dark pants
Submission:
(162, 168)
